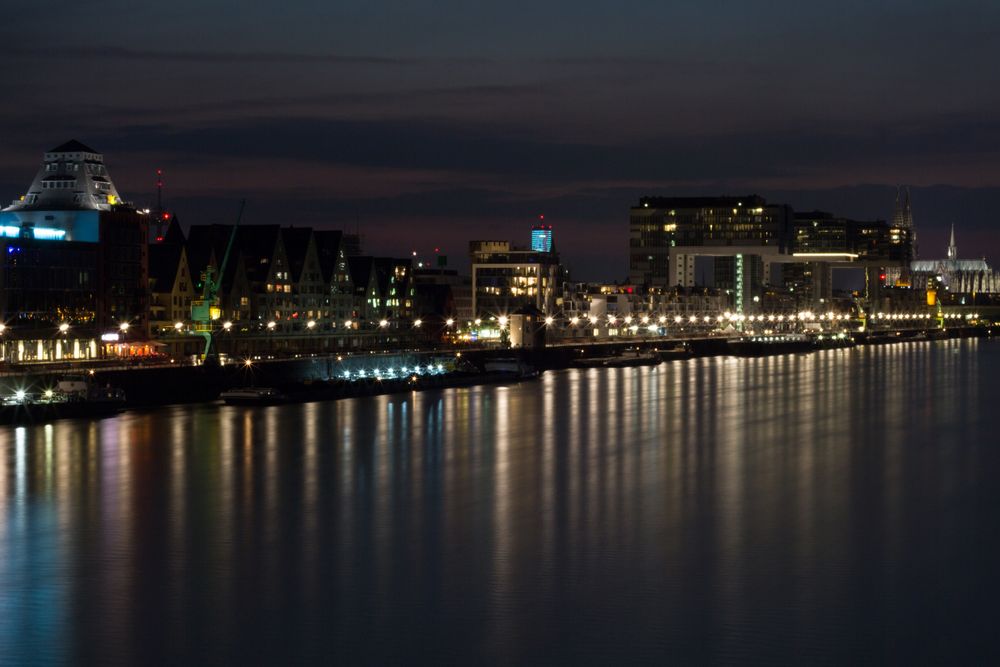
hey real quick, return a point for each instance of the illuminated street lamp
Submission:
(271, 325)
(311, 324)
(225, 325)
(548, 321)
(383, 323)
(178, 326)
(502, 321)
(124, 329)
(449, 322)
(63, 328)
(417, 323)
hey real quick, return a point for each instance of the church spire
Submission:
(907, 210)
(897, 210)
(952, 248)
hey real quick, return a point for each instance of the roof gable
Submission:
(73, 146)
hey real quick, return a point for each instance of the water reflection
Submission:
(715, 509)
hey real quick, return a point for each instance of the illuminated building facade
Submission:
(541, 238)
(603, 310)
(75, 253)
(286, 277)
(43, 285)
(662, 227)
(506, 279)
(332, 248)
(170, 284)
(958, 276)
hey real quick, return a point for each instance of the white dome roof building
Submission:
(64, 200)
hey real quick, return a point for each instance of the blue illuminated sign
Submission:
(41, 233)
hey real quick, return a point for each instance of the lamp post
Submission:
(123, 327)
(63, 330)
(270, 337)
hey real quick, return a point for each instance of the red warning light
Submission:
(881, 277)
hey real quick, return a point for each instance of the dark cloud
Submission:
(518, 153)
(119, 54)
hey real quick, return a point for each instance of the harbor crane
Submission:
(207, 310)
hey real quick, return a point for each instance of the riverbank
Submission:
(323, 376)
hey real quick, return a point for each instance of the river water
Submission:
(833, 507)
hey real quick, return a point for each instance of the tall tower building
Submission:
(541, 238)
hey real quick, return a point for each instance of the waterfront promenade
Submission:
(149, 383)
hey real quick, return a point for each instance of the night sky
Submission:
(431, 125)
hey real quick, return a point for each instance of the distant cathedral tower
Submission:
(952, 248)
(902, 220)
(902, 214)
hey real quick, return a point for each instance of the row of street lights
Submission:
(311, 325)
(728, 317)
(64, 327)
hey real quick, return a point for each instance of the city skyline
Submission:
(385, 333)
(356, 116)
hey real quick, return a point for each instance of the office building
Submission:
(667, 233)
(506, 279)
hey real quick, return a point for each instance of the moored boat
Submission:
(72, 397)
(625, 359)
(680, 352)
(833, 341)
(767, 344)
(512, 366)
(253, 396)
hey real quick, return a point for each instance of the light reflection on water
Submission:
(828, 506)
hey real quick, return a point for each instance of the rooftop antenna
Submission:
(159, 190)
(161, 215)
